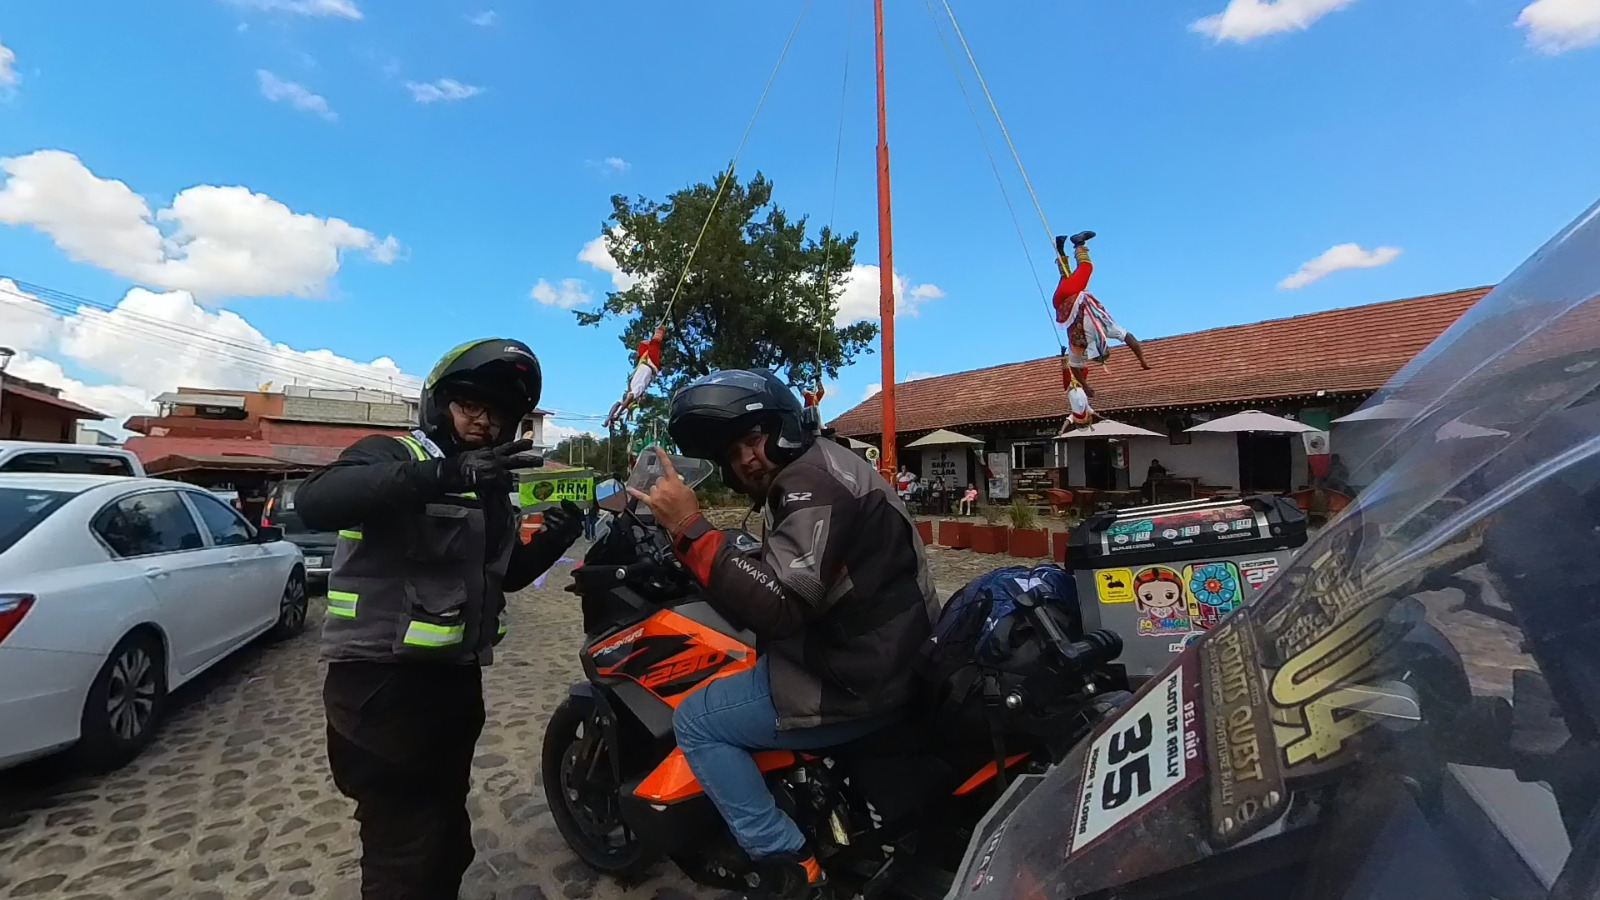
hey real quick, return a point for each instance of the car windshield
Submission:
(1415, 698)
(283, 513)
(21, 509)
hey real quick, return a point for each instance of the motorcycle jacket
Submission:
(419, 575)
(840, 597)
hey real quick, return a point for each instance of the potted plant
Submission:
(954, 533)
(1028, 540)
(925, 530)
(1058, 545)
(991, 536)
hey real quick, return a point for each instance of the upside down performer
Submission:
(1090, 329)
(644, 373)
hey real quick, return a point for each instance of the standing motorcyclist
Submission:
(840, 600)
(428, 549)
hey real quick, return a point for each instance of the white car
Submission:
(115, 590)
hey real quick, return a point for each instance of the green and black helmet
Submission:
(499, 372)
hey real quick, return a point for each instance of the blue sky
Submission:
(465, 151)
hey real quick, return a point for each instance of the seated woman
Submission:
(969, 499)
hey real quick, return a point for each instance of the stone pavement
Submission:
(233, 799)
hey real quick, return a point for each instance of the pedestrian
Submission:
(428, 548)
(591, 519)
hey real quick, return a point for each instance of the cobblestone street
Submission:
(234, 800)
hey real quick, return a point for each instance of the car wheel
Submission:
(125, 703)
(291, 608)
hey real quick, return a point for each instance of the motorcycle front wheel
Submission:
(583, 792)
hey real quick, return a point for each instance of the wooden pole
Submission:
(887, 460)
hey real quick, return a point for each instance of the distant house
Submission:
(30, 411)
(1313, 368)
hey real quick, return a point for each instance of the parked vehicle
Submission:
(318, 546)
(80, 459)
(893, 810)
(115, 590)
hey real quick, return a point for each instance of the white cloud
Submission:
(596, 255)
(26, 323)
(445, 90)
(1246, 20)
(485, 19)
(9, 79)
(876, 388)
(859, 300)
(570, 294)
(277, 90)
(212, 241)
(344, 9)
(555, 434)
(152, 342)
(611, 165)
(1556, 26)
(1338, 258)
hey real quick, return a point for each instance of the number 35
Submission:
(1132, 776)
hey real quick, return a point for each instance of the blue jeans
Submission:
(718, 726)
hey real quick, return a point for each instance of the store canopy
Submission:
(1457, 430)
(1389, 410)
(859, 445)
(944, 438)
(1255, 420)
(1105, 428)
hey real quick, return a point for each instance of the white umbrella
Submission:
(943, 438)
(1456, 429)
(1255, 420)
(1390, 409)
(1105, 428)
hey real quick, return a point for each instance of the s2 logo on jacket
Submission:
(798, 497)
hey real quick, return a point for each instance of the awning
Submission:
(859, 445)
(1105, 428)
(179, 398)
(1255, 420)
(1457, 430)
(1389, 410)
(944, 438)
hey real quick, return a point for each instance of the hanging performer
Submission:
(1090, 329)
(644, 373)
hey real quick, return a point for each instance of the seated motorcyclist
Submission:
(839, 598)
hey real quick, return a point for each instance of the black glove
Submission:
(486, 469)
(563, 524)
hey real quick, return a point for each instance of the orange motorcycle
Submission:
(890, 812)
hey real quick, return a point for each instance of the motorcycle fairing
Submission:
(669, 655)
(672, 781)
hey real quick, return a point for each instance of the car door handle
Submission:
(155, 572)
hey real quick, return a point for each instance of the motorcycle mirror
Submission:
(610, 496)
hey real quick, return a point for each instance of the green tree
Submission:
(760, 293)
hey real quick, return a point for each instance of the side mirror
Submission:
(269, 534)
(611, 497)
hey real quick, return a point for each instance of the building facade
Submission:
(1312, 368)
(30, 411)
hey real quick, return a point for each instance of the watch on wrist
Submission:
(697, 528)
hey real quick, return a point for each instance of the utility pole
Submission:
(885, 262)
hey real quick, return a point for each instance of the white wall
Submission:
(1212, 458)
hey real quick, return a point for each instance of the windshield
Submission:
(23, 508)
(1415, 699)
(647, 470)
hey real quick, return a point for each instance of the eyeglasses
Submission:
(472, 409)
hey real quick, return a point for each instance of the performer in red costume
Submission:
(1090, 329)
(644, 373)
(812, 398)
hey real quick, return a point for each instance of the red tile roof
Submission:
(1352, 350)
(80, 412)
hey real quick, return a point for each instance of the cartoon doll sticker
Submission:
(1163, 609)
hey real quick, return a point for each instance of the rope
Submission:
(833, 203)
(733, 164)
(994, 165)
(996, 109)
